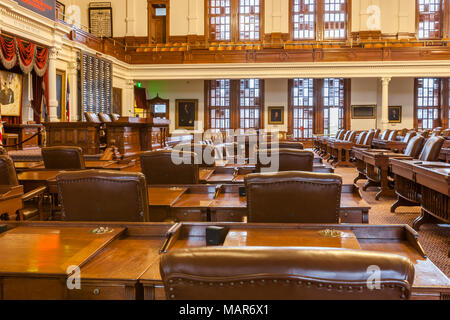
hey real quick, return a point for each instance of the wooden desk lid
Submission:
(50, 251)
(290, 238)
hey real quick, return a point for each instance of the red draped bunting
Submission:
(27, 55)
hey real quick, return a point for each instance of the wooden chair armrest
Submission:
(34, 193)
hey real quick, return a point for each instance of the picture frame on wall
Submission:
(60, 11)
(364, 111)
(395, 114)
(11, 93)
(101, 19)
(117, 101)
(186, 113)
(276, 115)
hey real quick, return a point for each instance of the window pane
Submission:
(303, 99)
(430, 14)
(333, 103)
(220, 18)
(428, 105)
(219, 104)
(250, 103)
(303, 19)
(249, 20)
(335, 19)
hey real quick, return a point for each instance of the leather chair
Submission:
(384, 135)
(32, 200)
(288, 160)
(346, 135)
(205, 152)
(376, 133)
(306, 197)
(369, 138)
(158, 167)
(96, 195)
(63, 158)
(414, 146)
(115, 117)
(92, 117)
(392, 135)
(408, 136)
(341, 134)
(283, 273)
(104, 117)
(361, 137)
(290, 145)
(431, 149)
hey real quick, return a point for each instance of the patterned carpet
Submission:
(435, 239)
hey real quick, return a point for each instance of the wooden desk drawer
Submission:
(228, 215)
(181, 214)
(102, 291)
(354, 216)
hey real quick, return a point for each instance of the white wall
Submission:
(364, 91)
(178, 89)
(401, 93)
(276, 95)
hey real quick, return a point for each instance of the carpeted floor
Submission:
(435, 239)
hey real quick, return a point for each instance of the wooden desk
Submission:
(377, 169)
(125, 264)
(33, 179)
(223, 203)
(89, 164)
(397, 146)
(426, 183)
(340, 152)
(10, 201)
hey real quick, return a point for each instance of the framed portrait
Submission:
(186, 113)
(364, 112)
(276, 115)
(395, 114)
(10, 94)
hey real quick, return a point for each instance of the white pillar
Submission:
(53, 102)
(385, 102)
(128, 100)
(73, 86)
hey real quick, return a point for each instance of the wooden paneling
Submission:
(82, 134)
(25, 131)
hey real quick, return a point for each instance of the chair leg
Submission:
(423, 218)
(402, 202)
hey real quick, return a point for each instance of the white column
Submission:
(73, 86)
(385, 102)
(128, 99)
(130, 19)
(53, 102)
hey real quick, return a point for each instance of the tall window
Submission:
(319, 19)
(430, 18)
(219, 104)
(234, 20)
(428, 102)
(333, 105)
(304, 19)
(235, 104)
(249, 104)
(302, 99)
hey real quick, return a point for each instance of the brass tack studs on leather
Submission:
(221, 284)
(170, 281)
(320, 285)
(288, 281)
(350, 288)
(171, 289)
(210, 283)
(308, 283)
(330, 286)
(340, 287)
(172, 296)
(241, 282)
(262, 281)
(275, 280)
(299, 282)
(252, 281)
(231, 283)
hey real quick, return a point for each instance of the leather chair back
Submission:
(104, 117)
(414, 146)
(385, 134)
(352, 136)
(436, 132)
(92, 117)
(63, 158)
(283, 273)
(361, 137)
(290, 145)
(158, 167)
(431, 149)
(338, 133)
(205, 153)
(114, 117)
(392, 135)
(376, 133)
(96, 195)
(288, 160)
(369, 138)
(341, 135)
(293, 196)
(408, 136)
(346, 135)
(8, 174)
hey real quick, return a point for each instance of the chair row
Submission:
(101, 117)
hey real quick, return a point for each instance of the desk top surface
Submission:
(49, 250)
